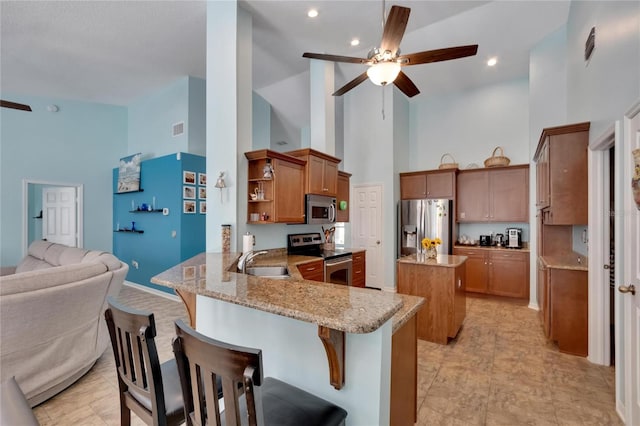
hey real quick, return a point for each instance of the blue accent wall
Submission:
(79, 144)
(157, 249)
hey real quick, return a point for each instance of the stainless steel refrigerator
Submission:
(424, 218)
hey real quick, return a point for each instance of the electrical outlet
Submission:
(134, 263)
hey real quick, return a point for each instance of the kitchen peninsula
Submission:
(292, 319)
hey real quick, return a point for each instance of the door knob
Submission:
(378, 242)
(628, 289)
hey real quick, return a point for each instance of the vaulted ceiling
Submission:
(116, 51)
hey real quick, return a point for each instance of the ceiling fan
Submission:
(385, 62)
(14, 105)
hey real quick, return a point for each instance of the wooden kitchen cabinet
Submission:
(343, 195)
(443, 288)
(313, 270)
(543, 298)
(435, 184)
(562, 183)
(359, 269)
(321, 171)
(283, 193)
(477, 269)
(498, 194)
(569, 310)
(500, 272)
(509, 273)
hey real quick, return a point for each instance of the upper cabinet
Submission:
(498, 194)
(321, 171)
(428, 184)
(561, 168)
(281, 192)
(343, 195)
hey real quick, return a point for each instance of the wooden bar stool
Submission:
(152, 390)
(265, 401)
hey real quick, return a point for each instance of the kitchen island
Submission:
(283, 317)
(441, 282)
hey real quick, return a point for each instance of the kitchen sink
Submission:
(268, 271)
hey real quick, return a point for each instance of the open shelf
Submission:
(146, 211)
(128, 192)
(130, 231)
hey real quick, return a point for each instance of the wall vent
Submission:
(590, 44)
(281, 143)
(178, 129)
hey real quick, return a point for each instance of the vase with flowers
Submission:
(430, 247)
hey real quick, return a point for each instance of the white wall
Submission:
(369, 156)
(470, 124)
(604, 89)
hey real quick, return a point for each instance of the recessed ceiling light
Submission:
(312, 13)
(355, 42)
(492, 61)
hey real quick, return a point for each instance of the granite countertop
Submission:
(446, 260)
(348, 309)
(572, 261)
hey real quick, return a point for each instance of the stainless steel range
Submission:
(338, 263)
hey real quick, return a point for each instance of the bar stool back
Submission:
(258, 401)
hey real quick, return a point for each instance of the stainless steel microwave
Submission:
(320, 209)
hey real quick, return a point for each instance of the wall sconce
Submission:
(220, 184)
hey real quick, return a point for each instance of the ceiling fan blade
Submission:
(14, 105)
(350, 85)
(335, 58)
(394, 29)
(404, 83)
(438, 55)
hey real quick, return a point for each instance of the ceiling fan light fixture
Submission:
(383, 73)
(312, 13)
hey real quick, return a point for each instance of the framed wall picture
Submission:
(189, 192)
(202, 192)
(188, 207)
(189, 177)
(203, 207)
(129, 173)
(202, 178)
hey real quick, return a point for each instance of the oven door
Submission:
(339, 270)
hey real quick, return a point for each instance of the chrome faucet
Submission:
(248, 257)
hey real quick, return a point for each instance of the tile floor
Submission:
(498, 371)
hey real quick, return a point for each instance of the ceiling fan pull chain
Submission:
(382, 102)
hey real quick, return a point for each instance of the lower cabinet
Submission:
(359, 269)
(404, 375)
(313, 270)
(496, 271)
(443, 288)
(569, 310)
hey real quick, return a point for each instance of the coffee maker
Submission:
(514, 238)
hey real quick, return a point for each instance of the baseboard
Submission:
(153, 291)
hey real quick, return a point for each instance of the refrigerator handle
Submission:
(421, 226)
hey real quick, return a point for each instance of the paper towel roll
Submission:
(247, 242)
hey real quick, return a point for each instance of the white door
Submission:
(631, 274)
(367, 230)
(59, 207)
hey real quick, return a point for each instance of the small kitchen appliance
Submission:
(485, 240)
(498, 240)
(320, 209)
(514, 238)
